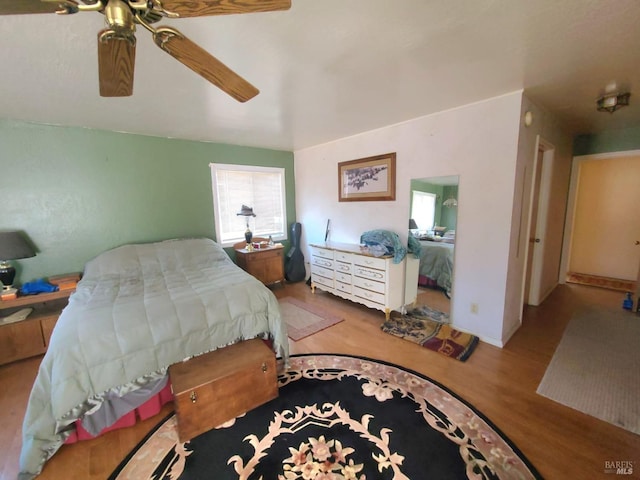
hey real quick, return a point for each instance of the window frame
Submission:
(418, 193)
(229, 242)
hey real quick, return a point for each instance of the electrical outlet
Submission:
(474, 308)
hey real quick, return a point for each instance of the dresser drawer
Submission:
(322, 262)
(370, 262)
(263, 255)
(343, 287)
(369, 284)
(343, 277)
(369, 295)
(327, 282)
(343, 257)
(370, 273)
(324, 272)
(342, 267)
(322, 252)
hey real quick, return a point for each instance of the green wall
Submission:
(611, 141)
(449, 215)
(444, 216)
(76, 192)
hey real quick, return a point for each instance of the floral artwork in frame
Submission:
(367, 179)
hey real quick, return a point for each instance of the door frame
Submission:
(572, 197)
(535, 273)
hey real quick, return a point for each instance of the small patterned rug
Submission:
(339, 417)
(429, 328)
(427, 313)
(304, 319)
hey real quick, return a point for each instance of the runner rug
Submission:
(596, 367)
(339, 417)
(304, 319)
(429, 328)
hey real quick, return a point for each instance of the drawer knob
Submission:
(264, 366)
(193, 397)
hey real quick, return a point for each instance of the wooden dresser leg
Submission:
(387, 313)
(313, 287)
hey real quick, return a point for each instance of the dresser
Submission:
(266, 263)
(350, 272)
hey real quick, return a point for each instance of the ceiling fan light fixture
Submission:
(613, 101)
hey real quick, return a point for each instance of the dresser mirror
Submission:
(432, 224)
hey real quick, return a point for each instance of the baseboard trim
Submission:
(602, 282)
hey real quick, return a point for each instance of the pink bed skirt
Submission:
(148, 409)
(425, 281)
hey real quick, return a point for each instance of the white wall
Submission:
(548, 129)
(478, 142)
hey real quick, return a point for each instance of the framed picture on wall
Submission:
(367, 179)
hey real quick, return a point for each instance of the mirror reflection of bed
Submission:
(433, 218)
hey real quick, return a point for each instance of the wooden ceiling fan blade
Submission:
(200, 8)
(18, 7)
(116, 60)
(203, 63)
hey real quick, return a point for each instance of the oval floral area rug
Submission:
(338, 417)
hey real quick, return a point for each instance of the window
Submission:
(261, 188)
(423, 209)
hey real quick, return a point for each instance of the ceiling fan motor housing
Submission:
(119, 18)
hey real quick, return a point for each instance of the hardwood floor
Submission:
(501, 383)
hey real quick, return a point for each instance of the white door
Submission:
(606, 224)
(541, 272)
(531, 290)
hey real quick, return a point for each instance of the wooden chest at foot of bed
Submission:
(216, 387)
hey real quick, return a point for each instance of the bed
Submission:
(137, 310)
(436, 264)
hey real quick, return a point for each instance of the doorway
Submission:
(602, 227)
(533, 234)
(536, 288)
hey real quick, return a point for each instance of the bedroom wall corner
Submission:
(551, 130)
(77, 192)
(455, 142)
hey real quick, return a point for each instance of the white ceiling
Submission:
(328, 69)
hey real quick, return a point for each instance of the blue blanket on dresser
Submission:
(389, 240)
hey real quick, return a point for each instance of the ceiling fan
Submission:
(117, 42)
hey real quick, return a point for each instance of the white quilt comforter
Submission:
(137, 310)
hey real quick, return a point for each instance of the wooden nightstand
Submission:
(266, 263)
(30, 336)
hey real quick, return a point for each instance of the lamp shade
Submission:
(246, 212)
(412, 224)
(13, 245)
(450, 202)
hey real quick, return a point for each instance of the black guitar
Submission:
(294, 268)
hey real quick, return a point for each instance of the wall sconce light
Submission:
(613, 101)
(528, 118)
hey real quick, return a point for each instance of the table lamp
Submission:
(247, 212)
(413, 226)
(13, 245)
